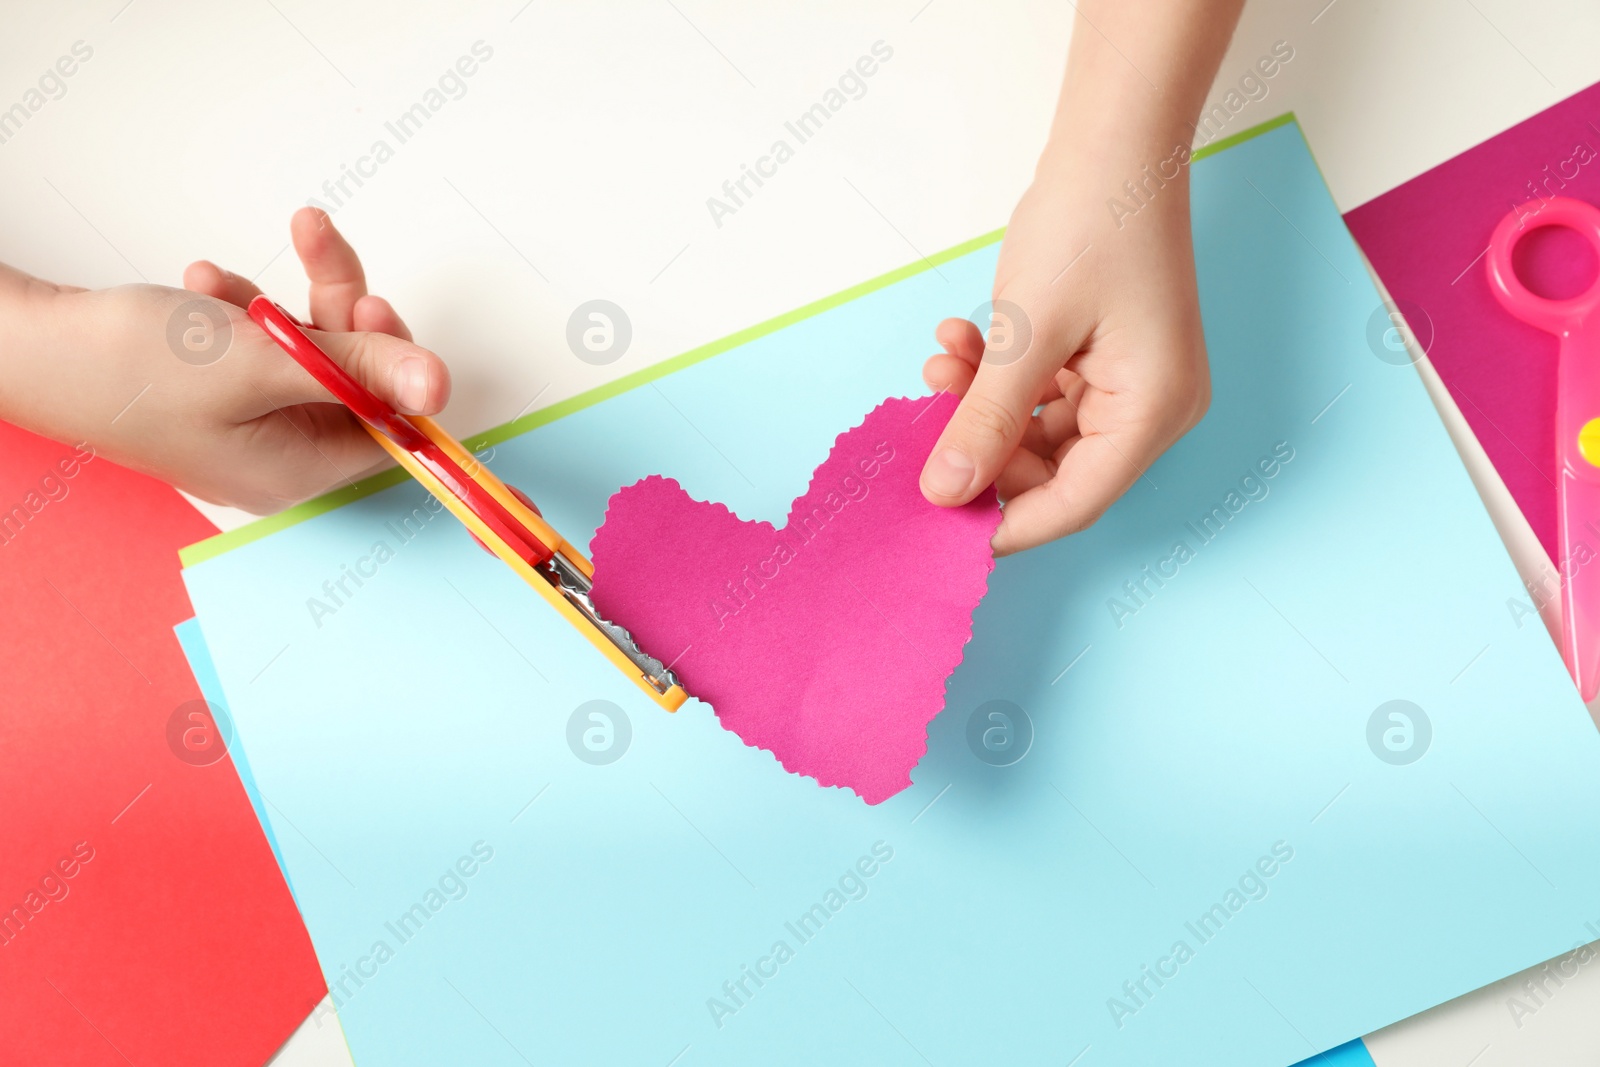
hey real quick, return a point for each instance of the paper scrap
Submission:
(826, 642)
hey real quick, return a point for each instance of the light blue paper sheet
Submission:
(1213, 729)
(1352, 1054)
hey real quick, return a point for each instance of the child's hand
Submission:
(1099, 364)
(1116, 365)
(183, 385)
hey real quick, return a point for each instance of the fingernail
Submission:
(411, 383)
(948, 473)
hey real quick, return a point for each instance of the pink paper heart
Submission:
(828, 642)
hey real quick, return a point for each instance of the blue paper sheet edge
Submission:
(193, 641)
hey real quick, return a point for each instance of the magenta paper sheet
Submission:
(1427, 240)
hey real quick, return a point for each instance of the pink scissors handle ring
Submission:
(1576, 321)
(1559, 317)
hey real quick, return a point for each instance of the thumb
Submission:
(984, 431)
(404, 375)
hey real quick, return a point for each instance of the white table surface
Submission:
(578, 163)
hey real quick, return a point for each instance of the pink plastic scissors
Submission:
(1576, 320)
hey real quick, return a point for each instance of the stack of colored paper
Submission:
(1256, 793)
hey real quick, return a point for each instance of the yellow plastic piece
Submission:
(673, 698)
(1589, 442)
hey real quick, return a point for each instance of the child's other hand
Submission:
(181, 384)
(1099, 260)
(1115, 370)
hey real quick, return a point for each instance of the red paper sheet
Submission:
(827, 642)
(1426, 240)
(154, 926)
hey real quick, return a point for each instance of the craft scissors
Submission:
(1576, 321)
(500, 518)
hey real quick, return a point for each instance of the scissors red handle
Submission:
(1576, 321)
(383, 419)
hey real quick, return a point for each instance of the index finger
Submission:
(333, 268)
